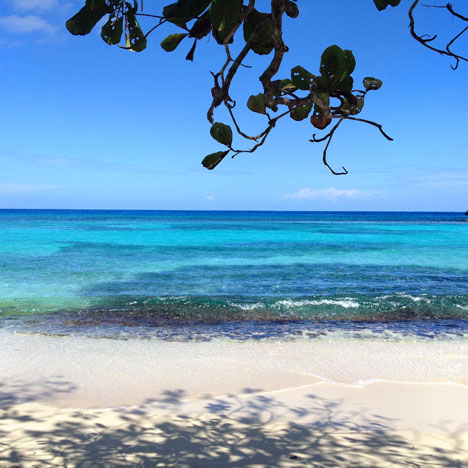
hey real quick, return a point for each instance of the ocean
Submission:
(201, 275)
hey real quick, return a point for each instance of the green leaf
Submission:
(224, 15)
(258, 28)
(181, 12)
(321, 83)
(358, 107)
(111, 32)
(84, 21)
(333, 65)
(191, 52)
(301, 78)
(213, 159)
(346, 84)
(371, 84)
(350, 61)
(256, 103)
(172, 41)
(176, 14)
(96, 4)
(381, 4)
(136, 39)
(201, 27)
(222, 133)
(301, 112)
(195, 7)
(336, 67)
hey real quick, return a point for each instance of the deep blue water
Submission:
(76, 271)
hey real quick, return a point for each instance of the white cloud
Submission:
(13, 189)
(25, 24)
(331, 194)
(210, 198)
(25, 5)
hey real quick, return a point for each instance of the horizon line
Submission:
(228, 210)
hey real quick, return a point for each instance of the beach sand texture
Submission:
(83, 402)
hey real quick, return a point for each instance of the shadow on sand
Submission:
(234, 431)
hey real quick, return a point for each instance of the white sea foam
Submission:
(256, 305)
(347, 303)
(413, 298)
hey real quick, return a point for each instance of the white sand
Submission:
(70, 401)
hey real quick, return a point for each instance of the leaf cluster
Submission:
(322, 97)
(119, 14)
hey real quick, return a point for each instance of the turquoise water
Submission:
(71, 271)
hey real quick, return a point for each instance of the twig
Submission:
(329, 137)
(370, 122)
(422, 39)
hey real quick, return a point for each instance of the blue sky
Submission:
(86, 125)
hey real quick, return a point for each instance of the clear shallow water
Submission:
(192, 275)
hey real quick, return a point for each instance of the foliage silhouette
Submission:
(327, 98)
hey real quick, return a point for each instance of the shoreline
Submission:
(84, 372)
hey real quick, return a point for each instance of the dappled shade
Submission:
(231, 431)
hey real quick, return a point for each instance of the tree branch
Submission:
(425, 40)
(329, 137)
(370, 122)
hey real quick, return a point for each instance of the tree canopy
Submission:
(327, 96)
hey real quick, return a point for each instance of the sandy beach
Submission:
(76, 401)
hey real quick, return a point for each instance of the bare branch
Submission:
(454, 13)
(278, 7)
(329, 137)
(370, 122)
(318, 140)
(220, 94)
(448, 7)
(263, 135)
(324, 158)
(454, 39)
(149, 15)
(425, 39)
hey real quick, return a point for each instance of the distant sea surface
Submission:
(195, 275)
